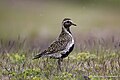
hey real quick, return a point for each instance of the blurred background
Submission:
(40, 20)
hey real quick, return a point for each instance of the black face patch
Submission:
(67, 23)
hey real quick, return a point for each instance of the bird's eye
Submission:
(68, 21)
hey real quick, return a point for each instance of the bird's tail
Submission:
(38, 56)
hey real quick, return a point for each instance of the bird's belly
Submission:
(67, 52)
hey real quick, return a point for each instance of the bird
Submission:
(62, 46)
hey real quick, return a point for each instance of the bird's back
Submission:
(63, 45)
(59, 46)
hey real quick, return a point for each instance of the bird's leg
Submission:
(59, 64)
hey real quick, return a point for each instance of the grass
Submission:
(97, 59)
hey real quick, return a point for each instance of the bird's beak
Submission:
(74, 24)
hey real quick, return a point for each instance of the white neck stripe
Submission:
(70, 43)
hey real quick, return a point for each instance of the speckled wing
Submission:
(56, 46)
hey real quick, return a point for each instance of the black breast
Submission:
(68, 52)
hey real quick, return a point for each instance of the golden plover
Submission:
(62, 46)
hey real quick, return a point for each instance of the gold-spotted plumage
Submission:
(62, 45)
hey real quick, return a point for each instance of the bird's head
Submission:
(67, 22)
